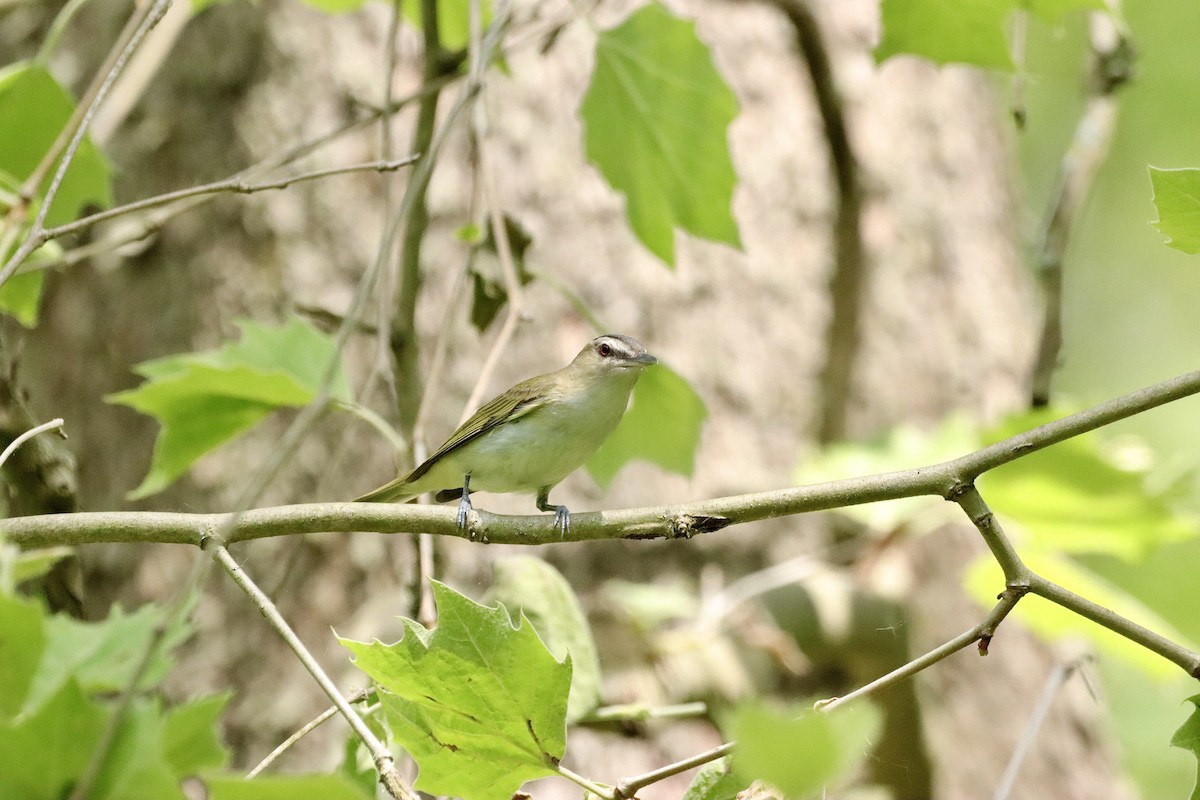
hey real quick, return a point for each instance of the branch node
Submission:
(685, 526)
(957, 489)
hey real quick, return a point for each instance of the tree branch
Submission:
(948, 479)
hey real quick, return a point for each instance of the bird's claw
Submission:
(464, 513)
(562, 521)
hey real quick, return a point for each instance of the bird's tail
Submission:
(397, 491)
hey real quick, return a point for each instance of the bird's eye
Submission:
(605, 350)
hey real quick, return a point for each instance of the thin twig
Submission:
(384, 763)
(1041, 710)
(1112, 67)
(985, 629)
(308, 728)
(628, 787)
(235, 185)
(54, 424)
(640, 712)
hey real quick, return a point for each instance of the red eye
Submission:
(605, 350)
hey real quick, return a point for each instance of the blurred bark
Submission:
(946, 324)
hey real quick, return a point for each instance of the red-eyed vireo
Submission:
(532, 436)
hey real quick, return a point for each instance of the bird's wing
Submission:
(518, 401)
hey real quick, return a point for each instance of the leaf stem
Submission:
(628, 787)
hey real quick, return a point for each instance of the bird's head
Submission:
(613, 353)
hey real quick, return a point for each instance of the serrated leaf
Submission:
(655, 117)
(101, 656)
(284, 787)
(479, 704)
(716, 780)
(662, 426)
(961, 31)
(30, 769)
(984, 579)
(1188, 738)
(22, 642)
(203, 400)
(1071, 497)
(191, 739)
(34, 108)
(529, 586)
(1177, 198)
(799, 751)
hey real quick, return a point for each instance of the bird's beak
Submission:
(644, 360)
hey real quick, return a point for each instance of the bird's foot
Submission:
(464, 514)
(562, 520)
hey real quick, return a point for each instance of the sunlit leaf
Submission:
(1177, 198)
(903, 447)
(1073, 497)
(655, 119)
(479, 704)
(984, 580)
(662, 426)
(528, 585)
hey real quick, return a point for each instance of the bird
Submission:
(530, 437)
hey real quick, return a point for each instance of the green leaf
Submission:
(528, 585)
(30, 564)
(22, 641)
(479, 704)
(33, 109)
(31, 768)
(284, 787)
(800, 751)
(1177, 198)
(1072, 497)
(191, 739)
(101, 656)
(1054, 10)
(136, 767)
(21, 296)
(1188, 738)
(655, 119)
(662, 426)
(958, 31)
(716, 780)
(203, 400)
(984, 579)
